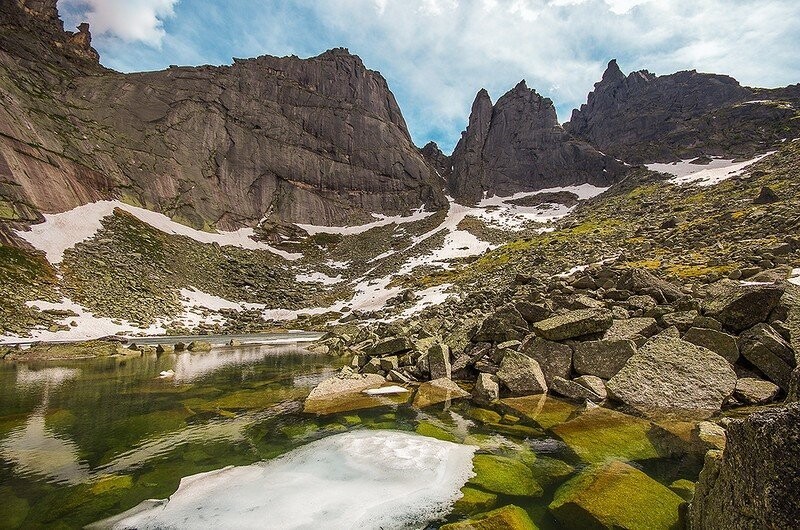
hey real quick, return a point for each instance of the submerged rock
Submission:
(599, 434)
(509, 517)
(505, 476)
(474, 501)
(441, 390)
(616, 495)
(753, 484)
(670, 374)
(544, 410)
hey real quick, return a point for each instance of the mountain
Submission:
(319, 140)
(517, 145)
(642, 117)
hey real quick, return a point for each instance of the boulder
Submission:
(504, 324)
(572, 390)
(508, 517)
(439, 361)
(344, 382)
(769, 352)
(437, 391)
(766, 196)
(199, 345)
(642, 282)
(533, 312)
(487, 389)
(593, 383)
(521, 375)
(603, 358)
(754, 483)
(554, 358)
(390, 346)
(631, 328)
(474, 501)
(615, 495)
(751, 391)
(721, 343)
(505, 476)
(574, 324)
(670, 374)
(599, 434)
(739, 307)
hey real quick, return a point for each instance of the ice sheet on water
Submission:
(355, 480)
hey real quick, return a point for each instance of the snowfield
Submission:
(707, 174)
(61, 231)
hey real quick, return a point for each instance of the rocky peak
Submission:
(642, 117)
(436, 158)
(81, 43)
(518, 145)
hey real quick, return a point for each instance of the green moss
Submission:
(7, 211)
(544, 410)
(474, 501)
(509, 517)
(15, 509)
(600, 434)
(505, 476)
(547, 470)
(615, 495)
(428, 429)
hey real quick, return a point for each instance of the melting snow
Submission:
(361, 479)
(704, 175)
(795, 277)
(319, 277)
(61, 231)
(382, 220)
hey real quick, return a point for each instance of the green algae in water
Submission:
(129, 436)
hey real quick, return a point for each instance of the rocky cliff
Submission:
(517, 144)
(642, 117)
(319, 140)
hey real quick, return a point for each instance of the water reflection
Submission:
(34, 448)
(190, 366)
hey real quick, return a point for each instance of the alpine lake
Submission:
(84, 440)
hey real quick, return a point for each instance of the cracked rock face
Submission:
(517, 145)
(642, 117)
(319, 140)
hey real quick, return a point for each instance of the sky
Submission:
(437, 54)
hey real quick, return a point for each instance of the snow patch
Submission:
(318, 277)
(381, 220)
(795, 277)
(399, 480)
(62, 231)
(716, 171)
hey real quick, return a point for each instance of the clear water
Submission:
(85, 440)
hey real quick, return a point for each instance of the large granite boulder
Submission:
(603, 358)
(521, 374)
(554, 358)
(719, 342)
(740, 307)
(755, 482)
(669, 374)
(767, 350)
(503, 325)
(574, 324)
(641, 282)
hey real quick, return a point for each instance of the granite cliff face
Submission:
(517, 144)
(317, 140)
(642, 117)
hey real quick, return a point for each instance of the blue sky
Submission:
(436, 54)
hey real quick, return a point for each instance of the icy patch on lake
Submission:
(707, 174)
(362, 479)
(62, 231)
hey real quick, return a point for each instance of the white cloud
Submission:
(129, 20)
